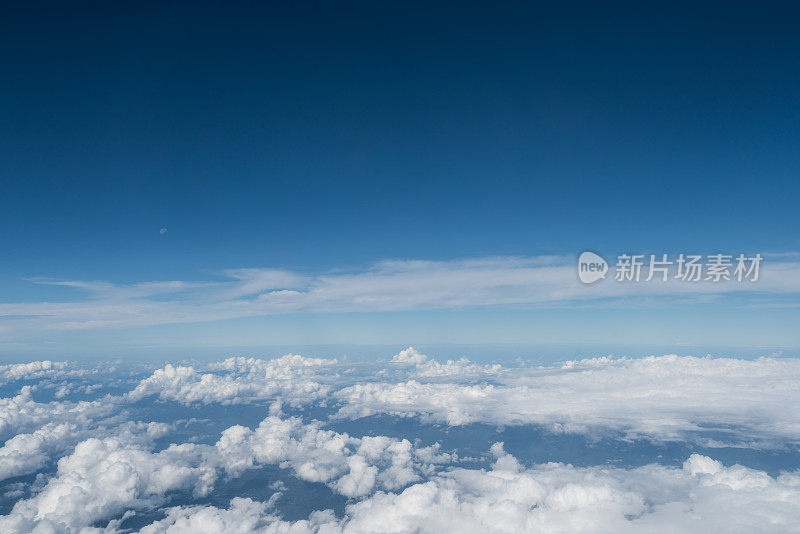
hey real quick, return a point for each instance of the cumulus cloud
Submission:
(244, 516)
(32, 370)
(22, 413)
(739, 402)
(701, 496)
(410, 356)
(429, 368)
(662, 398)
(28, 452)
(39, 432)
(351, 466)
(103, 478)
(110, 466)
(242, 380)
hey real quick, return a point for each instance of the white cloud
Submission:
(292, 377)
(409, 356)
(701, 496)
(244, 516)
(32, 370)
(106, 477)
(26, 453)
(103, 478)
(351, 466)
(39, 432)
(109, 466)
(662, 398)
(429, 368)
(22, 414)
(384, 286)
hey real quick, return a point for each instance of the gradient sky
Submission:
(318, 137)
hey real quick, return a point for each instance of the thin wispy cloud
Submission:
(395, 285)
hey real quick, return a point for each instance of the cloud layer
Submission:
(701, 496)
(662, 398)
(384, 286)
(93, 466)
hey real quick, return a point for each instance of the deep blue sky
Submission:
(323, 135)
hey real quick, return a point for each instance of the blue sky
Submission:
(321, 139)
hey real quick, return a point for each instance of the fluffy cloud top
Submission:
(663, 398)
(701, 496)
(109, 466)
(244, 380)
(102, 478)
(352, 466)
(428, 368)
(21, 413)
(31, 370)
